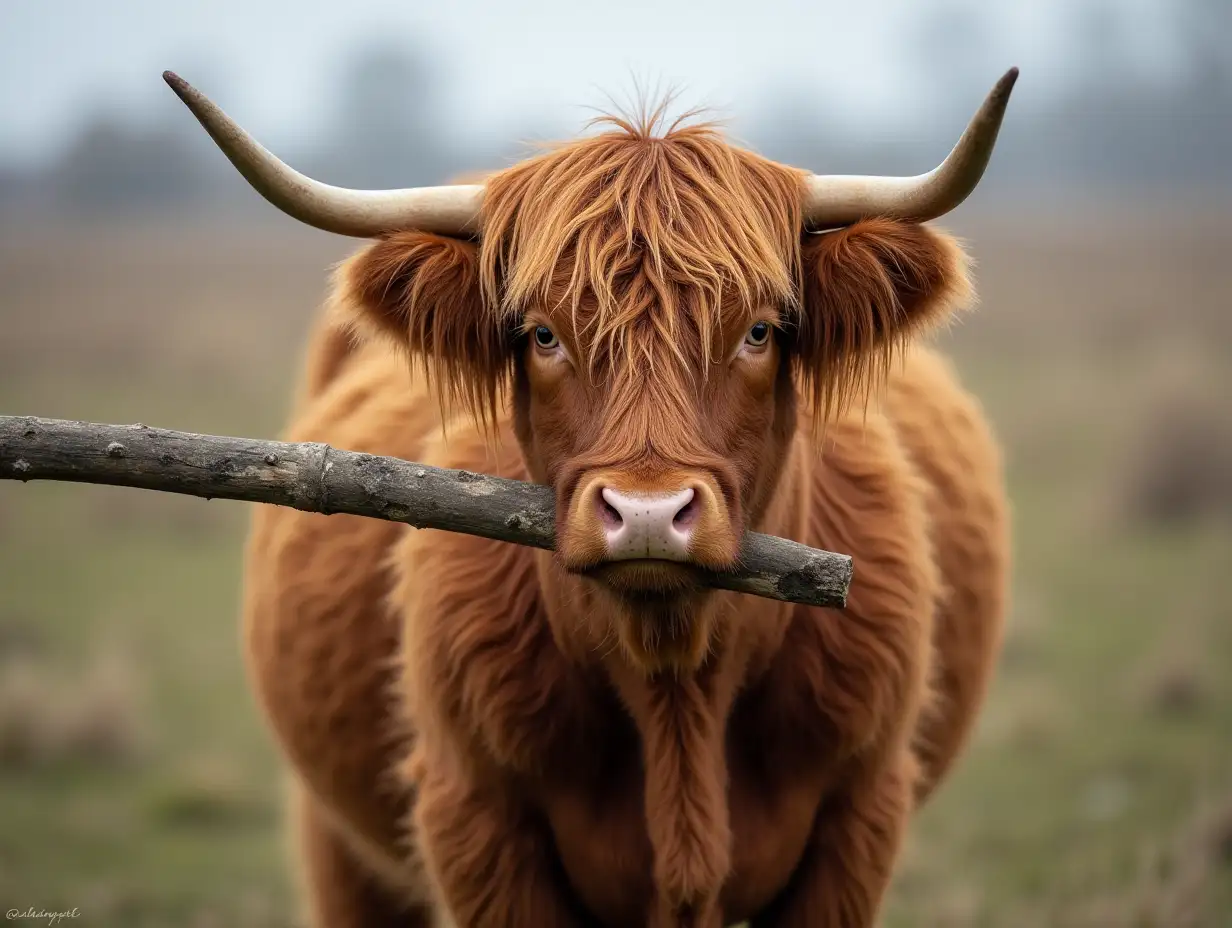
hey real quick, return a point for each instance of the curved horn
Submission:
(451, 210)
(835, 200)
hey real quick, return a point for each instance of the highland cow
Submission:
(687, 341)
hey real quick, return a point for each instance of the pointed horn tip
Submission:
(1001, 92)
(177, 83)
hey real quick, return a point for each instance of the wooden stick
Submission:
(319, 478)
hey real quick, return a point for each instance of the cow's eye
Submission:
(758, 335)
(545, 338)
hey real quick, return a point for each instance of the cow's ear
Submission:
(423, 293)
(867, 289)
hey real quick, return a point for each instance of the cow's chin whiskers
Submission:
(662, 631)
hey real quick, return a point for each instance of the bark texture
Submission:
(319, 478)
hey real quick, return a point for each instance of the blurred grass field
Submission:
(137, 782)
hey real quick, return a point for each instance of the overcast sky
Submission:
(503, 63)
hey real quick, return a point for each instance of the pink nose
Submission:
(638, 525)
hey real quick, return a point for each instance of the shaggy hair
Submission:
(628, 219)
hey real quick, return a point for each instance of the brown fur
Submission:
(503, 736)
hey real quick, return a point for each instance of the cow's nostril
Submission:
(687, 514)
(609, 515)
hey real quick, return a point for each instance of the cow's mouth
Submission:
(649, 578)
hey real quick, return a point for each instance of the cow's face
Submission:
(655, 312)
(652, 288)
(663, 444)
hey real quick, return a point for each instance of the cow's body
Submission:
(553, 829)
(686, 341)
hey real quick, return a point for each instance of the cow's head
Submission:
(655, 306)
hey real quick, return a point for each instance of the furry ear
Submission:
(422, 292)
(867, 289)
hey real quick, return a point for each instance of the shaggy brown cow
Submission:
(490, 735)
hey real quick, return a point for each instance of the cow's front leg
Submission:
(488, 855)
(856, 839)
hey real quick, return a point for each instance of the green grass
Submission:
(1083, 764)
(1105, 740)
(189, 823)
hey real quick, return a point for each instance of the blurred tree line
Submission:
(1112, 122)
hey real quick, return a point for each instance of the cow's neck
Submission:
(682, 717)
